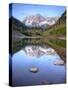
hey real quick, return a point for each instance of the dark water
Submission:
(40, 56)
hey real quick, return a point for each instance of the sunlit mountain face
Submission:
(38, 51)
(39, 20)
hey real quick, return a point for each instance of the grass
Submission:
(58, 30)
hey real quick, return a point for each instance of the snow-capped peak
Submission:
(39, 20)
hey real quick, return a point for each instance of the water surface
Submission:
(41, 57)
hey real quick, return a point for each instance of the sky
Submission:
(20, 11)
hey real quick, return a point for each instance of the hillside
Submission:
(16, 24)
(56, 36)
(58, 29)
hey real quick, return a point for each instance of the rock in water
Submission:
(59, 62)
(33, 69)
(45, 82)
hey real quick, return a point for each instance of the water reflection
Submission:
(38, 51)
(41, 57)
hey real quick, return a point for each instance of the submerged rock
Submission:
(59, 62)
(33, 69)
(45, 82)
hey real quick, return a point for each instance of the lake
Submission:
(29, 53)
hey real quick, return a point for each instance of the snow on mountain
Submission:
(38, 20)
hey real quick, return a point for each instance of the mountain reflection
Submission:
(38, 51)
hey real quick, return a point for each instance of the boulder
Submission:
(33, 69)
(59, 62)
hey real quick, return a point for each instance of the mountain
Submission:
(59, 28)
(16, 24)
(33, 25)
(39, 21)
(62, 19)
(17, 27)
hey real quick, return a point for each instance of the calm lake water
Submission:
(43, 58)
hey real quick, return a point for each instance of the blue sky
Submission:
(22, 10)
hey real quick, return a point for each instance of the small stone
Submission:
(33, 69)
